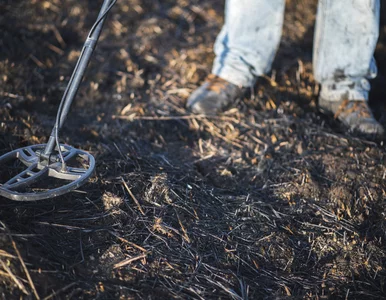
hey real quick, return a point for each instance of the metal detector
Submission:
(53, 169)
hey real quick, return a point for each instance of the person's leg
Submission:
(245, 49)
(345, 39)
(248, 41)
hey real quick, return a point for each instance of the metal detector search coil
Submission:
(50, 170)
(39, 179)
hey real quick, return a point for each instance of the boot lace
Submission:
(216, 83)
(348, 107)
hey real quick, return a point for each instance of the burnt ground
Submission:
(270, 200)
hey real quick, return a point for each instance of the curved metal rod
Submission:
(77, 76)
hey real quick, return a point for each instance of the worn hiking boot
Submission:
(356, 115)
(213, 96)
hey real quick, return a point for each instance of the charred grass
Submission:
(269, 201)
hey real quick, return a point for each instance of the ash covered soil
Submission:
(270, 200)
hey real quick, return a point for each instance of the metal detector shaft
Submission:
(77, 75)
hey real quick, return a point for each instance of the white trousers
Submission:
(346, 34)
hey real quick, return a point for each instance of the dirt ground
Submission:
(271, 200)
